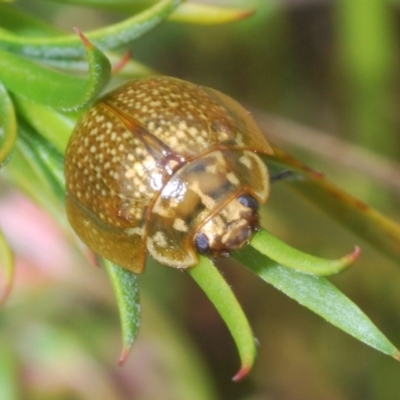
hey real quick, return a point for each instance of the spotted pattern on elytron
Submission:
(118, 174)
(126, 148)
(188, 118)
(181, 115)
(108, 169)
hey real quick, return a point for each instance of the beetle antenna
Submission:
(287, 173)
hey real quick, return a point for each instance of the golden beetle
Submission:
(167, 167)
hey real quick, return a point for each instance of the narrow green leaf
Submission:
(46, 158)
(320, 296)
(284, 254)
(106, 38)
(21, 174)
(363, 220)
(40, 181)
(192, 13)
(54, 88)
(220, 294)
(25, 24)
(127, 293)
(8, 125)
(112, 5)
(56, 126)
(7, 267)
(131, 69)
(22, 23)
(205, 14)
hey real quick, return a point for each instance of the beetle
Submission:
(165, 167)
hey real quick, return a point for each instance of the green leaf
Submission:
(205, 14)
(46, 158)
(8, 125)
(40, 176)
(191, 13)
(131, 68)
(54, 88)
(363, 220)
(7, 267)
(281, 252)
(22, 23)
(106, 38)
(127, 293)
(112, 5)
(55, 126)
(320, 296)
(220, 294)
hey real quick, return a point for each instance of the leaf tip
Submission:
(122, 62)
(242, 373)
(84, 39)
(396, 355)
(93, 258)
(350, 258)
(346, 261)
(357, 252)
(124, 356)
(246, 13)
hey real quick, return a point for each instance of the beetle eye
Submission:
(248, 201)
(202, 244)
